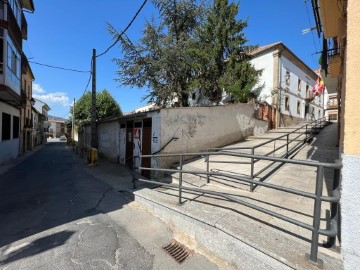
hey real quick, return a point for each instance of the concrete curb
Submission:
(208, 240)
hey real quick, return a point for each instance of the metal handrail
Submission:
(274, 139)
(317, 196)
(309, 128)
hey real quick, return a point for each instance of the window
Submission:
(27, 94)
(1, 10)
(13, 62)
(333, 117)
(6, 125)
(15, 127)
(287, 78)
(1, 50)
(287, 103)
(299, 85)
(333, 101)
(299, 107)
(16, 10)
(307, 91)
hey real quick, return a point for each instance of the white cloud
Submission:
(37, 88)
(56, 97)
(50, 97)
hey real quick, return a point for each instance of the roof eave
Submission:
(28, 5)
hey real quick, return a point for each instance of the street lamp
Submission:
(32, 101)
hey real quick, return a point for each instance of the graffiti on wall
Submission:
(188, 123)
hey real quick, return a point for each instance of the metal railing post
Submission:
(252, 170)
(180, 179)
(334, 207)
(317, 215)
(207, 169)
(274, 148)
(306, 133)
(134, 182)
(287, 145)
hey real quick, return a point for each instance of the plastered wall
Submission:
(199, 128)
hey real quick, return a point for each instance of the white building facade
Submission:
(287, 84)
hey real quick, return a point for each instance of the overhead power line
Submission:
(311, 27)
(127, 27)
(89, 78)
(62, 68)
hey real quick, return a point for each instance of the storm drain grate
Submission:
(177, 251)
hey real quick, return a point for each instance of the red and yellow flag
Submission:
(318, 87)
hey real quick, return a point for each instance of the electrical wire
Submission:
(89, 78)
(62, 68)
(312, 34)
(123, 32)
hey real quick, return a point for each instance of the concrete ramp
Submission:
(240, 237)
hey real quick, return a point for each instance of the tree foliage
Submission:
(221, 55)
(106, 106)
(160, 60)
(193, 46)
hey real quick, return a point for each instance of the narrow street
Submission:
(54, 215)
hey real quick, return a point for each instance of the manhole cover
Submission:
(178, 251)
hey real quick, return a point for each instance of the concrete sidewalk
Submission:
(226, 231)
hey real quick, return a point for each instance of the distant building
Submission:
(146, 108)
(41, 123)
(26, 122)
(332, 107)
(287, 84)
(57, 127)
(285, 87)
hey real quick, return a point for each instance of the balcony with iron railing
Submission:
(330, 58)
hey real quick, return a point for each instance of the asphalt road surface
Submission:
(54, 215)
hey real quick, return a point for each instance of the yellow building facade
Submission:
(339, 23)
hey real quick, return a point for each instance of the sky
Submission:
(64, 33)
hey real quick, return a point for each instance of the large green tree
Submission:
(161, 60)
(222, 58)
(193, 46)
(106, 106)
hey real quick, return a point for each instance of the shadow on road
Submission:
(48, 189)
(38, 246)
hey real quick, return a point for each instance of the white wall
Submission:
(122, 145)
(196, 128)
(265, 62)
(87, 136)
(350, 214)
(199, 128)
(108, 140)
(293, 93)
(9, 149)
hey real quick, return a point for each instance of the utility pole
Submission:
(73, 123)
(93, 103)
